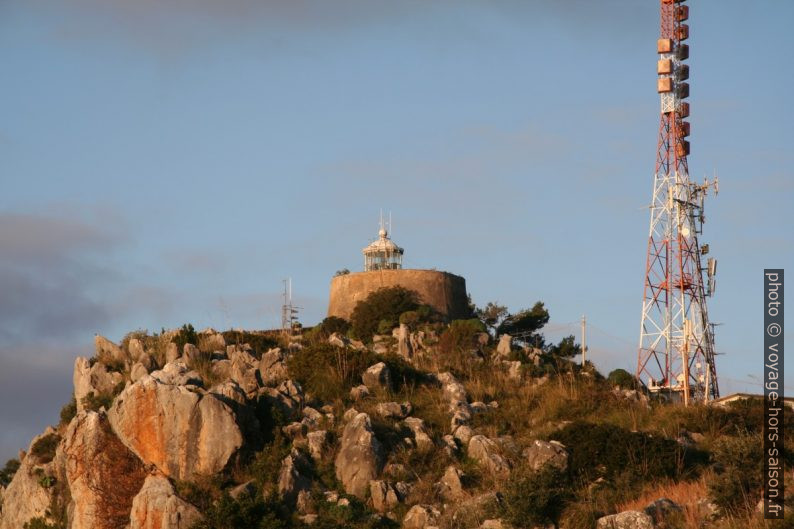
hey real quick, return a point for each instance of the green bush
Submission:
(738, 481)
(385, 304)
(460, 336)
(44, 448)
(245, 512)
(333, 324)
(94, 401)
(598, 450)
(622, 378)
(187, 334)
(260, 342)
(536, 498)
(8, 471)
(68, 411)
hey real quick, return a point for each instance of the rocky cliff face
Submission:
(210, 435)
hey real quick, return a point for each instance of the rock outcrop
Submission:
(486, 452)
(25, 497)
(625, 520)
(360, 456)
(541, 453)
(94, 378)
(182, 432)
(157, 506)
(377, 376)
(103, 475)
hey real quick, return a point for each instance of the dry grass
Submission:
(683, 493)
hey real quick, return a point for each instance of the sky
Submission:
(172, 161)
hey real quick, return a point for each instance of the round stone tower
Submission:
(443, 291)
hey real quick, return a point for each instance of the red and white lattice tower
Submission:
(676, 351)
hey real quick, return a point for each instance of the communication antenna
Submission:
(289, 312)
(676, 350)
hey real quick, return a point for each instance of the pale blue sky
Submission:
(171, 162)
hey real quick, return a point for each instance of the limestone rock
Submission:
(337, 340)
(359, 392)
(420, 516)
(625, 520)
(244, 489)
(244, 370)
(291, 479)
(662, 510)
(404, 347)
(295, 430)
(450, 487)
(95, 379)
(135, 349)
(105, 349)
(486, 452)
(229, 392)
(495, 523)
(505, 345)
(137, 372)
(312, 418)
(25, 498)
(541, 453)
(181, 432)
(273, 367)
(393, 410)
(478, 407)
(190, 353)
(103, 475)
(513, 370)
(171, 352)
(377, 376)
(318, 444)
(453, 390)
(384, 496)
(360, 456)
(288, 397)
(421, 436)
(157, 507)
(463, 434)
(177, 374)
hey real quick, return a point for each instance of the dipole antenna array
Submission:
(289, 312)
(676, 351)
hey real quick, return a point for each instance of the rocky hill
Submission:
(429, 426)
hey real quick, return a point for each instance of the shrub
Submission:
(187, 334)
(94, 401)
(333, 324)
(8, 471)
(260, 342)
(622, 378)
(738, 482)
(385, 304)
(460, 336)
(243, 513)
(536, 498)
(44, 448)
(604, 450)
(68, 411)
(328, 372)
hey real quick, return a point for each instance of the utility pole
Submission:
(584, 341)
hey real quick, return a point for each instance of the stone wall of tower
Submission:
(443, 291)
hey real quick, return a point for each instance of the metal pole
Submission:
(584, 341)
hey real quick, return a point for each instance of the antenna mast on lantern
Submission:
(676, 351)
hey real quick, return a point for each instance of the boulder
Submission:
(181, 432)
(420, 516)
(273, 367)
(664, 512)
(421, 436)
(453, 390)
(171, 352)
(393, 410)
(317, 443)
(107, 350)
(625, 520)
(312, 418)
(337, 340)
(291, 478)
(244, 370)
(229, 392)
(541, 453)
(190, 354)
(295, 430)
(404, 346)
(505, 346)
(177, 374)
(463, 434)
(135, 349)
(450, 487)
(158, 507)
(288, 397)
(384, 496)
(495, 523)
(377, 376)
(360, 456)
(486, 452)
(103, 475)
(359, 392)
(95, 379)
(513, 370)
(138, 371)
